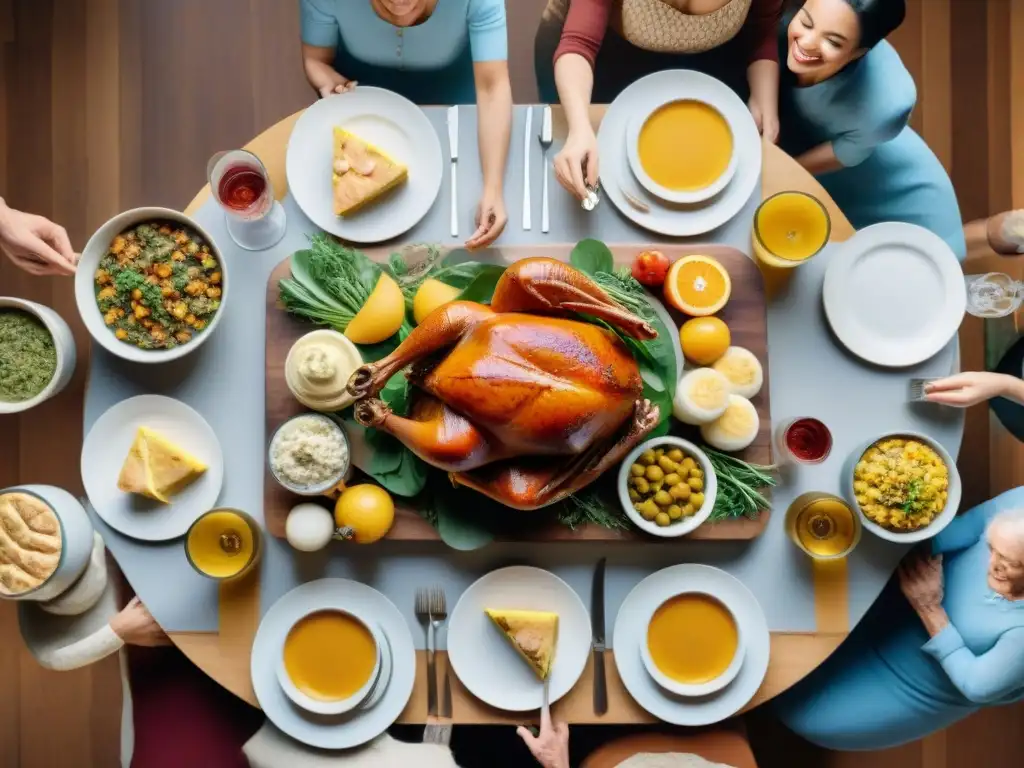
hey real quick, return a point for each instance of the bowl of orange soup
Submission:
(694, 646)
(331, 661)
(683, 151)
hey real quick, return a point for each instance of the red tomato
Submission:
(650, 268)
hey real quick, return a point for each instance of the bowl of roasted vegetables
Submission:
(905, 486)
(667, 486)
(151, 285)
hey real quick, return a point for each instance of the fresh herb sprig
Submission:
(739, 486)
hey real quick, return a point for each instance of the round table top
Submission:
(225, 654)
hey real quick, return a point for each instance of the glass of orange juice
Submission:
(789, 229)
(223, 544)
(823, 526)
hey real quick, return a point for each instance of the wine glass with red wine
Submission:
(241, 186)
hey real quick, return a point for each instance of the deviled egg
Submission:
(701, 396)
(736, 428)
(743, 370)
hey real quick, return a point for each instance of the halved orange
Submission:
(697, 285)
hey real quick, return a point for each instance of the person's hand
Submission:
(550, 747)
(326, 79)
(336, 84)
(491, 219)
(35, 244)
(578, 156)
(136, 626)
(921, 580)
(970, 388)
(767, 119)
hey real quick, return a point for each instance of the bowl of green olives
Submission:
(667, 486)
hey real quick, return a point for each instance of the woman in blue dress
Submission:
(431, 52)
(952, 643)
(844, 106)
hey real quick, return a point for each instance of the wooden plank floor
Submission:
(109, 104)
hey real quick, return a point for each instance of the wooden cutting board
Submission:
(745, 313)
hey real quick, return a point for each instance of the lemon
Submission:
(431, 295)
(704, 339)
(381, 315)
(364, 513)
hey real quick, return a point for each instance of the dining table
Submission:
(810, 607)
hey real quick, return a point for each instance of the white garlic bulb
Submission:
(309, 527)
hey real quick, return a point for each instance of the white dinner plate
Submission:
(386, 120)
(106, 447)
(894, 294)
(362, 724)
(641, 98)
(630, 633)
(486, 662)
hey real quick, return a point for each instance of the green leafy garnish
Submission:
(590, 507)
(913, 491)
(739, 486)
(128, 280)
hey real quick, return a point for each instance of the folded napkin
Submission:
(270, 748)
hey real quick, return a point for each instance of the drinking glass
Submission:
(223, 544)
(803, 440)
(824, 526)
(994, 294)
(790, 228)
(241, 186)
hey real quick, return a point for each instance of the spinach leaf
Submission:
(481, 289)
(463, 521)
(592, 256)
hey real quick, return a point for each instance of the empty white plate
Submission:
(386, 120)
(384, 706)
(106, 447)
(486, 662)
(631, 631)
(894, 294)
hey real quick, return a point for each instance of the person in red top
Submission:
(604, 45)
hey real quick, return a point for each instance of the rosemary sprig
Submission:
(739, 484)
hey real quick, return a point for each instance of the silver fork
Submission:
(545, 144)
(438, 616)
(423, 615)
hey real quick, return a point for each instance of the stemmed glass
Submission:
(241, 186)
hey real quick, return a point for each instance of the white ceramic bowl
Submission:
(699, 689)
(676, 195)
(64, 343)
(944, 518)
(76, 534)
(683, 526)
(85, 293)
(340, 706)
(312, 490)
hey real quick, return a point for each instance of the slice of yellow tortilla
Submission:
(354, 190)
(533, 634)
(157, 468)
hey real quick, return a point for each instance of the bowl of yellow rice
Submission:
(905, 486)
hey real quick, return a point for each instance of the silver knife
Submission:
(528, 142)
(545, 142)
(453, 150)
(597, 627)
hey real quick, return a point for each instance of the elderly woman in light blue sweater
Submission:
(952, 643)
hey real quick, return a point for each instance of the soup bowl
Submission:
(331, 706)
(708, 687)
(942, 518)
(681, 196)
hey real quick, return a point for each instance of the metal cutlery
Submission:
(545, 144)
(453, 151)
(528, 142)
(438, 732)
(438, 616)
(423, 615)
(916, 390)
(634, 200)
(597, 628)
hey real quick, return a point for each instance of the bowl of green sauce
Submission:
(37, 354)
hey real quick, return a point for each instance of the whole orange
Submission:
(704, 339)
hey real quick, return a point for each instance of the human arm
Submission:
(973, 387)
(576, 164)
(550, 747)
(820, 159)
(35, 244)
(760, 38)
(986, 679)
(319, 44)
(133, 625)
(488, 38)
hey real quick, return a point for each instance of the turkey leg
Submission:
(439, 330)
(433, 431)
(537, 482)
(542, 285)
